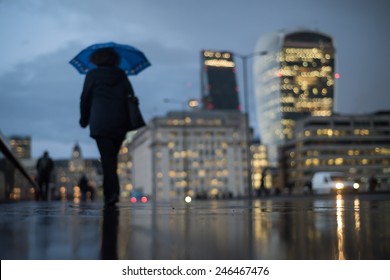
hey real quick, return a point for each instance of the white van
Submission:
(332, 182)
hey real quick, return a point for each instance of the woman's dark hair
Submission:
(105, 57)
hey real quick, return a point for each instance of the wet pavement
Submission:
(272, 228)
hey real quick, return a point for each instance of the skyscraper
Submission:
(294, 79)
(219, 86)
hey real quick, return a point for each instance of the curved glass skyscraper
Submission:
(293, 79)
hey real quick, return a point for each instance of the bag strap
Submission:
(129, 89)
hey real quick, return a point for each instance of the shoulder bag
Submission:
(136, 119)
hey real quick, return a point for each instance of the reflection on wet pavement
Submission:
(325, 228)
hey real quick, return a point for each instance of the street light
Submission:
(244, 59)
(193, 103)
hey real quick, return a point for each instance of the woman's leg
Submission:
(109, 149)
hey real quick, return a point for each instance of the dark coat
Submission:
(103, 103)
(44, 166)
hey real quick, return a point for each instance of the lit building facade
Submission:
(218, 78)
(196, 153)
(125, 169)
(20, 146)
(64, 178)
(14, 151)
(293, 79)
(259, 166)
(67, 173)
(358, 145)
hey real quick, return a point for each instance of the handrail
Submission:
(11, 157)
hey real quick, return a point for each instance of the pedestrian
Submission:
(103, 106)
(44, 168)
(83, 185)
(308, 187)
(372, 183)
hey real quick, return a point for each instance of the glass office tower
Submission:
(293, 79)
(219, 86)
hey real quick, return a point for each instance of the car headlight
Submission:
(339, 185)
(356, 186)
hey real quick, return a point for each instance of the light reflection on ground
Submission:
(323, 227)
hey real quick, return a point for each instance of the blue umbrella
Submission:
(132, 60)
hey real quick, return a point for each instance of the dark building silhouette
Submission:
(219, 86)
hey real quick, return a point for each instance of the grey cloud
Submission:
(40, 96)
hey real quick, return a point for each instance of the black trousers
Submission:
(43, 183)
(109, 149)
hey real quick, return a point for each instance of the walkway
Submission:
(323, 227)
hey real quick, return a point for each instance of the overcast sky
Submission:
(40, 90)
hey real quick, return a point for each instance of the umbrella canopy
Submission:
(132, 60)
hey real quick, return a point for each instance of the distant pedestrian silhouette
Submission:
(83, 185)
(44, 168)
(103, 106)
(372, 183)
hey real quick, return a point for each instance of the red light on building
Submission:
(337, 75)
(279, 74)
(144, 199)
(133, 200)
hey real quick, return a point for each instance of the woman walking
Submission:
(103, 106)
